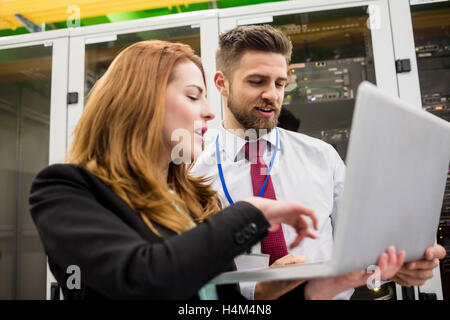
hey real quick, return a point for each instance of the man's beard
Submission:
(247, 118)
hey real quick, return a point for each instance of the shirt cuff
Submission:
(248, 289)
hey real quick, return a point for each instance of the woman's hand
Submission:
(287, 212)
(327, 288)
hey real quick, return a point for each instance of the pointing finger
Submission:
(310, 213)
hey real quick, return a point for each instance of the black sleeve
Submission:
(116, 261)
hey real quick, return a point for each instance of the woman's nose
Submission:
(207, 113)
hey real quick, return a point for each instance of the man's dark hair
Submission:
(234, 43)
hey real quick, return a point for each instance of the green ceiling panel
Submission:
(94, 20)
(124, 16)
(222, 4)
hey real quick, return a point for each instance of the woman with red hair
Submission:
(125, 209)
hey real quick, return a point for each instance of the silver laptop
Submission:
(397, 166)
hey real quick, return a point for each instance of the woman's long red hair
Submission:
(119, 137)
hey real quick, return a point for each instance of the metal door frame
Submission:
(58, 93)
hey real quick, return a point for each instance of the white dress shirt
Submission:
(306, 170)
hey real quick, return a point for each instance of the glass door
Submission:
(26, 94)
(98, 56)
(93, 49)
(331, 57)
(335, 48)
(93, 54)
(431, 26)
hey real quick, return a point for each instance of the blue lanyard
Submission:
(222, 178)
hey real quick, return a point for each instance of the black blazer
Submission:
(82, 222)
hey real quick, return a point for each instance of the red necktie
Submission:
(274, 244)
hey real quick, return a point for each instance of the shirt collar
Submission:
(233, 145)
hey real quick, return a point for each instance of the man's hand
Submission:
(416, 273)
(271, 290)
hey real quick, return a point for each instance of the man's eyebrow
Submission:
(264, 76)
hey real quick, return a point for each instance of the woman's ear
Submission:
(222, 83)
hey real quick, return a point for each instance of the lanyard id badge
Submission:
(222, 178)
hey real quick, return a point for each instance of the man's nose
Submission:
(271, 93)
